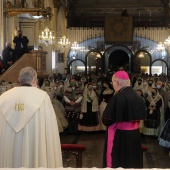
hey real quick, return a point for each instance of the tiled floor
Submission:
(155, 157)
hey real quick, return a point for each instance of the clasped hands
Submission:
(152, 108)
(9, 62)
(72, 103)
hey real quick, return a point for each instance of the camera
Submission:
(20, 34)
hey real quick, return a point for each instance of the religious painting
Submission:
(118, 29)
(60, 57)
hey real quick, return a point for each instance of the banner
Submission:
(118, 29)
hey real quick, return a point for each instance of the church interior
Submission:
(91, 37)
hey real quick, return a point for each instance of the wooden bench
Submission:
(74, 149)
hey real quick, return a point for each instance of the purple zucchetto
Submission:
(121, 75)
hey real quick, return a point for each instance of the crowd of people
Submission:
(93, 92)
(81, 97)
(124, 106)
(9, 55)
(79, 100)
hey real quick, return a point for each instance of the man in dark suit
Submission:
(8, 55)
(21, 44)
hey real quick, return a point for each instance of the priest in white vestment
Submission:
(29, 135)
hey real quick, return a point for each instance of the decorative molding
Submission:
(33, 11)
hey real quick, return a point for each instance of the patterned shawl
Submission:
(94, 101)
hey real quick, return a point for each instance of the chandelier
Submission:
(167, 42)
(46, 37)
(64, 41)
(160, 46)
(75, 46)
(141, 55)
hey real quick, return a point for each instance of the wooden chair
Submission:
(74, 149)
(144, 148)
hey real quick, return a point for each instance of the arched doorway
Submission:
(117, 58)
(142, 62)
(93, 62)
(76, 66)
(159, 66)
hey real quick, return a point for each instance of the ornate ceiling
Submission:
(92, 12)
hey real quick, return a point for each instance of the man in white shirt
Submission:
(28, 126)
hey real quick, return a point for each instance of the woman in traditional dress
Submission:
(151, 85)
(84, 80)
(154, 121)
(141, 124)
(97, 88)
(164, 138)
(138, 84)
(89, 120)
(46, 85)
(59, 111)
(60, 91)
(144, 87)
(67, 81)
(105, 96)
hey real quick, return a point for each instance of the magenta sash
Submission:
(111, 135)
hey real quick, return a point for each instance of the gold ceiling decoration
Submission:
(36, 11)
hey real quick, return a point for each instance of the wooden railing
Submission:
(35, 59)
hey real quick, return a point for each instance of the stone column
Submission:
(1, 27)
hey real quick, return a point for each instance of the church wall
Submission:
(61, 31)
(59, 27)
(52, 25)
(80, 34)
(1, 28)
(30, 28)
(12, 25)
(8, 29)
(155, 34)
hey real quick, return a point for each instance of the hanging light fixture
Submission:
(46, 37)
(64, 41)
(75, 46)
(160, 46)
(167, 42)
(141, 55)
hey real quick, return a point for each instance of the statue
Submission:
(38, 3)
(8, 4)
(18, 3)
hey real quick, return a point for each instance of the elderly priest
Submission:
(122, 115)
(28, 126)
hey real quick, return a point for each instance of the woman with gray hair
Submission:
(28, 126)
